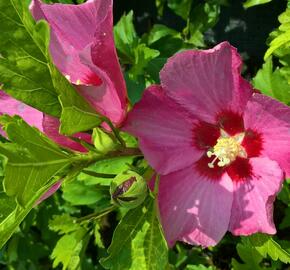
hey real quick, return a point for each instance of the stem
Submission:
(93, 157)
(99, 175)
(94, 216)
(115, 131)
(156, 185)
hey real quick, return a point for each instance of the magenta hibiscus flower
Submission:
(221, 149)
(82, 47)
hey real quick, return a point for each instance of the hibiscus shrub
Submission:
(144, 134)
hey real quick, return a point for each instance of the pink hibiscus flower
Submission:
(82, 47)
(221, 149)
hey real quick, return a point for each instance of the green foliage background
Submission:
(74, 228)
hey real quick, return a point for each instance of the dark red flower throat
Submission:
(227, 147)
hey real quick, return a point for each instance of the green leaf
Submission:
(271, 83)
(135, 88)
(33, 159)
(126, 38)
(77, 193)
(34, 164)
(63, 224)
(154, 68)
(159, 31)
(202, 17)
(138, 242)
(98, 237)
(77, 115)
(282, 38)
(265, 245)
(180, 7)
(111, 166)
(252, 3)
(69, 248)
(143, 55)
(251, 257)
(24, 70)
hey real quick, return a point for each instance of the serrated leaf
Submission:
(282, 38)
(250, 257)
(33, 159)
(33, 162)
(265, 245)
(24, 69)
(142, 55)
(63, 224)
(68, 250)
(126, 38)
(138, 242)
(271, 83)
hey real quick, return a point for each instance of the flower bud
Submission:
(128, 189)
(103, 141)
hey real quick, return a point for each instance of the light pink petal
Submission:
(193, 208)
(76, 29)
(50, 192)
(272, 119)
(51, 129)
(252, 210)
(11, 106)
(164, 132)
(206, 82)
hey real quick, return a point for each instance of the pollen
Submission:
(226, 150)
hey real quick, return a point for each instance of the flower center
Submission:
(227, 149)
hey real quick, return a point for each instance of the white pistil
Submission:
(227, 149)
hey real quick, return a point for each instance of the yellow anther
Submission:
(226, 150)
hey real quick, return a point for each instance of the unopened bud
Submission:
(128, 189)
(103, 141)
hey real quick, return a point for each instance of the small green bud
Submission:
(128, 189)
(103, 141)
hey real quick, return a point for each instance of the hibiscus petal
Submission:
(271, 119)
(76, 29)
(165, 133)
(193, 208)
(50, 192)
(104, 98)
(206, 82)
(51, 129)
(11, 106)
(252, 209)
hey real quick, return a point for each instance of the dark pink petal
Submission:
(105, 102)
(206, 82)
(193, 208)
(252, 209)
(51, 191)
(271, 119)
(76, 29)
(11, 106)
(51, 129)
(164, 132)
